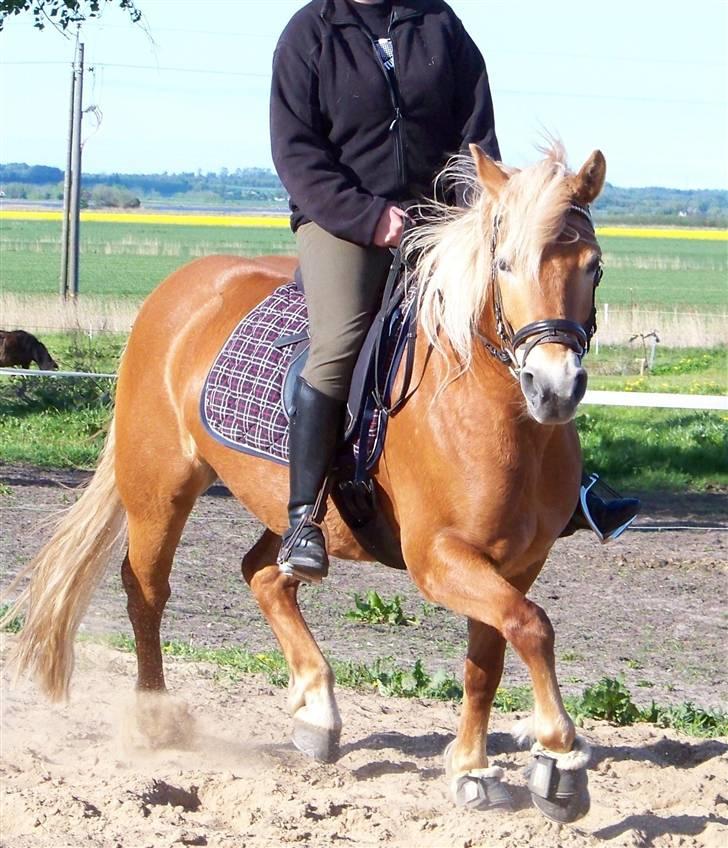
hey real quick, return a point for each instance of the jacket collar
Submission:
(340, 13)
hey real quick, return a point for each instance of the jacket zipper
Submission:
(396, 125)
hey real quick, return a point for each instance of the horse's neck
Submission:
(467, 453)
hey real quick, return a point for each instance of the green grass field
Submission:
(665, 272)
(128, 260)
(61, 424)
(123, 260)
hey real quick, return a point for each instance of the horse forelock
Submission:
(451, 249)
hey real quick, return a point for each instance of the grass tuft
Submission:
(15, 625)
(607, 700)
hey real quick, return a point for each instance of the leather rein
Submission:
(546, 331)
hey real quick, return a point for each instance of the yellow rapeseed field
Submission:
(281, 222)
(664, 233)
(272, 221)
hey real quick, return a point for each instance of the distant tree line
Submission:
(700, 207)
(688, 205)
(39, 182)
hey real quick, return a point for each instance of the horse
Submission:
(479, 474)
(18, 347)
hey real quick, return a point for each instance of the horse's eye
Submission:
(594, 270)
(504, 266)
(593, 266)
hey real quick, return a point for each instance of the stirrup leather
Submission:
(583, 499)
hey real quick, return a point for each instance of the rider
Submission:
(368, 99)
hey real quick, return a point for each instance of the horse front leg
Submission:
(458, 576)
(473, 782)
(316, 719)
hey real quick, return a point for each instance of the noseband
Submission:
(562, 331)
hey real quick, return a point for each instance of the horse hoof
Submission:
(481, 793)
(319, 743)
(559, 784)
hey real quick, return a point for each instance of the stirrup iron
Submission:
(311, 519)
(584, 490)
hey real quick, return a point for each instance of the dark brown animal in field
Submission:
(20, 348)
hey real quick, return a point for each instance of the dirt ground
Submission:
(650, 609)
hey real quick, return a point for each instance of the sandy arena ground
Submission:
(651, 610)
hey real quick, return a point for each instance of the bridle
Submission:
(562, 331)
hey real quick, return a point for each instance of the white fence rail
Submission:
(37, 372)
(658, 400)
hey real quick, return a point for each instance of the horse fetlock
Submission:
(555, 735)
(315, 691)
(461, 762)
(576, 757)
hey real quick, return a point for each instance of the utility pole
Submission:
(63, 283)
(72, 184)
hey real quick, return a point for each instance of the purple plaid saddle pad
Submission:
(241, 404)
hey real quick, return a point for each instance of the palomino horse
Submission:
(479, 475)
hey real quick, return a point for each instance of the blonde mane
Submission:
(451, 249)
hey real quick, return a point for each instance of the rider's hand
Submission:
(388, 232)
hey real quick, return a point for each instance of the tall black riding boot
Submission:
(314, 431)
(603, 511)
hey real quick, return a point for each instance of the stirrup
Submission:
(583, 493)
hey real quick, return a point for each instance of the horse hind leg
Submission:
(316, 720)
(155, 527)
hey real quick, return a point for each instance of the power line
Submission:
(497, 90)
(178, 70)
(491, 51)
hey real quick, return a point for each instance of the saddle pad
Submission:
(241, 401)
(241, 404)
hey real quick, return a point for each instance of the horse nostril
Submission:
(579, 385)
(528, 383)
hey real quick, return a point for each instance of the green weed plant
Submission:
(607, 700)
(373, 609)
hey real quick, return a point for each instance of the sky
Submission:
(646, 81)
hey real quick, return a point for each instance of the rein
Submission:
(562, 331)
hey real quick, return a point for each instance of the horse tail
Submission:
(63, 577)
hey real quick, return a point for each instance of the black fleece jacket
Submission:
(345, 140)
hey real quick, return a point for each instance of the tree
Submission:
(61, 13)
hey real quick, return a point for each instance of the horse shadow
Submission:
(421, 747)
(425, 746)
(664, 752)
(652, 827)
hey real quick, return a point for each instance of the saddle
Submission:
(247, 396)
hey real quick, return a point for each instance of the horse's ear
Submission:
(490, 175)
(589, 182)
